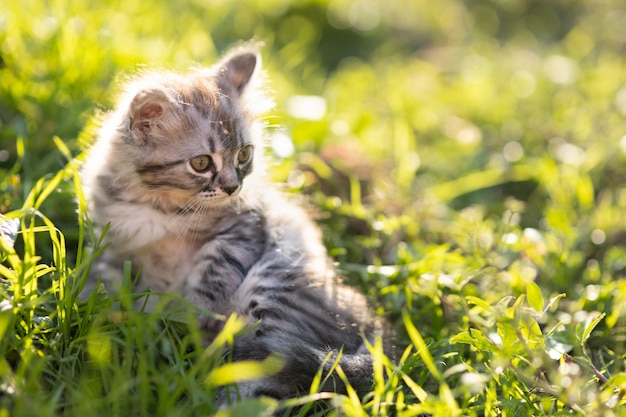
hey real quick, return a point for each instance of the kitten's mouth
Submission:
(220, 193)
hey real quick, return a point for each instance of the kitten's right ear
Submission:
(238, 69)
(146, 111)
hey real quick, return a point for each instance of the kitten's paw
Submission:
(210, 327)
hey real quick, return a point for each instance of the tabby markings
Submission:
(150, 169)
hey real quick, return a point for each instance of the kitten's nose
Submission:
(230, 189)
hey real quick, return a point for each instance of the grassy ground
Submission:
(466, 162)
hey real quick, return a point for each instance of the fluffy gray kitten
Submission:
(172, 173)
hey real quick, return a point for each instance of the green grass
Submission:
(468, 172)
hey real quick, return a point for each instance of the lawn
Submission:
(466, 161)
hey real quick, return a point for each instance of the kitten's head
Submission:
(193, 138)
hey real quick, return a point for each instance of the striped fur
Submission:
(214, 231)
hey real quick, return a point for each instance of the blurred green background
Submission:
(420, 107)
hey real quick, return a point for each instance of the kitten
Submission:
(172, 173)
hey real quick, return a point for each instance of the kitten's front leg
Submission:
(108, 270)
(220, 265)
(218, 270)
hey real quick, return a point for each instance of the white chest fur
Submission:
(155, 242)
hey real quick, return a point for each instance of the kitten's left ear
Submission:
(238, 69)
(147, 110)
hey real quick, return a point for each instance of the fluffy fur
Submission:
(172, 173)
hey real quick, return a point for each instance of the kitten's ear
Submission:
(146, 110)
(238, 69)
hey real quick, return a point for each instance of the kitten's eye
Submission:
(201, 163)
(244, 154)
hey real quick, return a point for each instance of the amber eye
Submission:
(244, 154)
(200, 163)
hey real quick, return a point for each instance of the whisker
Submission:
(180, 221)
(196, 210)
